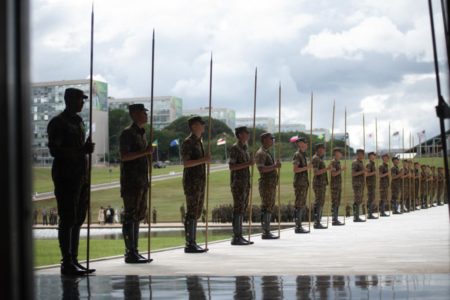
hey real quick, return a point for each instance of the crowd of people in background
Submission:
(110, 215)
(48, 216)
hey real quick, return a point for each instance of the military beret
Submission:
(266, 135)
(371, 153)
(73, 93)
(136, 107)
(385, 155)
(337, 149)
(440, 168)
(360, 151)
(301, 139)
(241, 129)
(395, 158)
(319, 145)
(195, 119)
(423, 166)
(433, 167)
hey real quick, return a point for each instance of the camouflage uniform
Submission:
(358, 181)
(423, 188)
(134, 174)
(433, 186)
(416, 187)
(267, 181)
(240, 179)
(66, 141)
(384, 186)
(371, 182)
(396, 185)
(440, 187)
(336, 183)
(320, 183)
(405, 188)
(301, 181)
(194, 178)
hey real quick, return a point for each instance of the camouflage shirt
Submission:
(319, 164)
(133, 173)
(358, 166)
(384, 181)
(66, 131)
(192, 149)
(395, 170)
(238, 155)
(300, 161)
(336, 180)
(263, 157)
(371, 180)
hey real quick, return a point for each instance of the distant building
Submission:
(226, 115)
(265, 123)
(47, 101)
(166, 109)
(320, 132)
(293, 127)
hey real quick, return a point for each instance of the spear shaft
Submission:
(252, 169)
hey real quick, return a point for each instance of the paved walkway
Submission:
(414, 243)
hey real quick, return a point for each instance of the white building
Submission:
(226, 115)
(265, 123)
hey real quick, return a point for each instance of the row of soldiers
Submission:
(70, 149)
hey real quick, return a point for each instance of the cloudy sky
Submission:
(372, 57)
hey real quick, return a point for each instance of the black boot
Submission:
(371, 209)
(190, 234)
(265, 224)
(67, 265)
(395, 207)
(131, 257)
(318, 218)
(74, 247)
(241, 220)
(237, 231)
(382, 211)
(356, 217)
(336, 221)
(299, 213)
(136, 242)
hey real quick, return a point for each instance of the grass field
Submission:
(168, 194)
(46, 252)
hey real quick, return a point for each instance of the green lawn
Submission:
(46, 252)
(42, 178)
(168, 194)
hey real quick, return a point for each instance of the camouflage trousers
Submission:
(439, 193)
(384, 195)
(358, 193)
(135, 205)
(71, 199)
(371, 197)
(195, 198)
(267, 192)
(336, 192)
(240, 194)
(319, 193)
(301, 192)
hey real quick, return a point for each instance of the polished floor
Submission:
(430, 286)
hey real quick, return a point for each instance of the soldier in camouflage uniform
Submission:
(301, 183)
(336, 185)
(68, 145)
(239, 164)
(194, 181)
(383, 174)
(134, 151)
(440, 185)
(416, 176)
(423, 186)
(358, 173)
(268, 180)
(396, 185)
(320, 183)
(405, 186)
(371, 182)
(433, 185)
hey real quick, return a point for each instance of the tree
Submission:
(118, 120)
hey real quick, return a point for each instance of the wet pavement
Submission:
(418, 286)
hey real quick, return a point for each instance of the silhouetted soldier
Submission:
(182, 212)
(44, 217)
(154, 213)
(134, 180)
(69, 147)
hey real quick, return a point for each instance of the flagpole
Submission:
(279, 159)
(403, 170)
(410, 175)
(364, 185)
(345, 162)
(376, 168)
(252, 169)
(208, 165)
(331, 155)
(150, 156)
(389, 166)
(310, 159)
(91, 87)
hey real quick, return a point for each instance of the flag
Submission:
(293, 139)
(396, 133)
(174, 143)
(155, 143)
(221, 141)
(321, 136)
